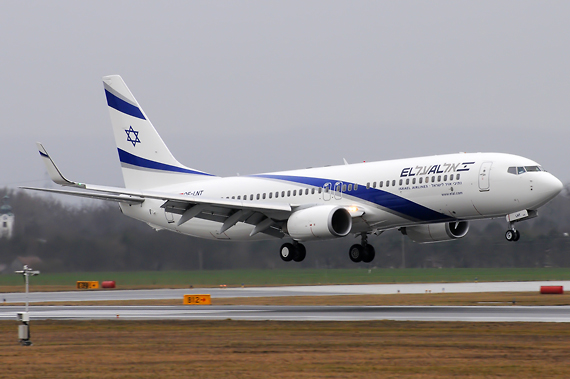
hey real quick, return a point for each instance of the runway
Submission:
(363, 289)
(288, 313)
(296, 313)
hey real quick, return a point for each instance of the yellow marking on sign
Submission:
(197, 300)
(87, 285)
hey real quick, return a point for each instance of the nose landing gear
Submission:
(363, 252)
(512, 235)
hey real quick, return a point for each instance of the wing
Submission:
(266, 217)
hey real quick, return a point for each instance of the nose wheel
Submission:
(512, 235)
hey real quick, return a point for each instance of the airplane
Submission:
(429, 199)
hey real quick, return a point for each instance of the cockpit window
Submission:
(522, 170)
(533, 168)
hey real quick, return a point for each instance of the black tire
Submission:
(510, 235)
(301, 253)
(287, 252)
(356, 253)
(369, 254)
(517, 236)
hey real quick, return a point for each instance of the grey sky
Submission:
(260, 86)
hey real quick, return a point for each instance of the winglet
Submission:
(53, 171)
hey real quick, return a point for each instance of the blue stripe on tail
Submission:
(122, 106)
(135, 160)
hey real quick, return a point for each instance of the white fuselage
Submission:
(381, 195)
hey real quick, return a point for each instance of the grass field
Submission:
(154, 279)
(231, 349)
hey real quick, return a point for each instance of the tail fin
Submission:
(146, 162)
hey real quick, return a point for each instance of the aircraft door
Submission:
(484, 174)
(327, 192)
(338, 190)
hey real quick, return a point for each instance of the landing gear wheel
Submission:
(300, 252)
(356, 253)
(512, 235)
(287, 252)
(517, 235)
(369, 254)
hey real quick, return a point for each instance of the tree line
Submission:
(97, 237)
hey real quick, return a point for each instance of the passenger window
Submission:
(458, 176)
(344, 188)
(355, 186)
(439, 178)
(393, 182)
(263, 196)
(414, 181)
(289, 193)
(257, 197)
(451, 177)
(381, 184)
(320, 190)
(400, 181)
(239, 198)
(294, 192)
(271, 195)
(387, 183)
(306, 191)
(433, 179)
(427, 179)
(407, 181)
(374, 185)
(368, 185)
(251, 197)
(421, 180)
(276, 194)
(313, 191)
(445, 178)
(282, 193)
(349, 187)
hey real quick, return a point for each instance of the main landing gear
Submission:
(512, 235)
(363, 252)
(293, 252)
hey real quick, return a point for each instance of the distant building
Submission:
(6, 219)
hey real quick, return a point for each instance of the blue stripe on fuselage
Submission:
(134, 160)
(122, 106)
(384, 199)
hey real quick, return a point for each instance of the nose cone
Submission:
(554, 186)
(548, 186)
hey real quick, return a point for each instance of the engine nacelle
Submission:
(319, 222)
(437, 232)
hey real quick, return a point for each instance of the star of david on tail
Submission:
(129, 138)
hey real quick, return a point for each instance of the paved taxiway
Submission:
(364, 289)
(296, 313)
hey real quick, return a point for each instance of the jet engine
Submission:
(436, 232)
(319, 222)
